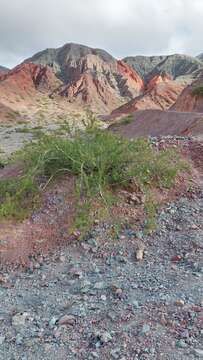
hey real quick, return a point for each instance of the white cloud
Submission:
(122, 27)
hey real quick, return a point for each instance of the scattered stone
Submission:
(179, 302)
(115, 353)
(140, 251)
(67, 320)
(53, 321)
(198, 353)
(2, 339)
(103, 337)
(181, 344)
(176, 258)
(134, 303)
(19, 319)
(145, 329)
(99, 285)
(3, 280)
(149, 311)
(19, 340)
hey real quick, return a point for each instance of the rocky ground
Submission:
(126, 297)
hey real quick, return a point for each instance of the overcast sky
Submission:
(122, 27)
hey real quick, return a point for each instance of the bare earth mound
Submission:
(160, 123)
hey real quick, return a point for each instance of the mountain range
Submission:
(73, 77)
(174, 65)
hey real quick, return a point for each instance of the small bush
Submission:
(198, 91)
(126, 120)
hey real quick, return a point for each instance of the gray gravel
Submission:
(94, 300)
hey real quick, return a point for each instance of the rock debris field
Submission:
(126, 298)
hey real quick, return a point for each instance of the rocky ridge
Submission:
(176, 65)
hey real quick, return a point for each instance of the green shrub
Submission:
(100, 161)
(126, 120)
(198, 91)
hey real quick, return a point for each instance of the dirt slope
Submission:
(157, 123)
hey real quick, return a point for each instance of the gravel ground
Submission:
(96, 300)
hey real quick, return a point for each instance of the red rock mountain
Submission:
(22, 86)
(91, 77)
(189, 99)
(74, 77)
(161, 92)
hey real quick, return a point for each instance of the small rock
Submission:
(181, 344)
(180, 302)
(53, 321)
(134, 303)
(62, 258)
(76, 234)
(19, 319)
(140, 251)
(119, 292)
(2, 339)
(184, 334)
(19, 340)
(145, 329)
(198, 353)
(99, 285)
(105, 337)
(176, 258)
(115, 353)
(94, 355)
(194, 227)
(3, 279)
(67, 320)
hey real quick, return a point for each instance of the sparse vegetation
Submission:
(198, 91)
(126, 120)
(101, 162)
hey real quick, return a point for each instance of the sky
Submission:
(121, 27)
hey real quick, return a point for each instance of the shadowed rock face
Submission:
(175, 65)
(188, 101)
(161, 93)
(91, 76)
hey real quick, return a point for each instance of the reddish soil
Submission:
(47, 228)
(51, 225)
(160, 123)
